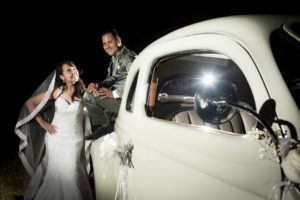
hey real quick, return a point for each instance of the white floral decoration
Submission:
(268, 149)
(287, 154)
(111, 148)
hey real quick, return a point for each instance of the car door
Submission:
(186, 161)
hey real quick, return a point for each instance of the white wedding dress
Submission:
(64, 177)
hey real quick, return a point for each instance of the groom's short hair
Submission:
(113, 31)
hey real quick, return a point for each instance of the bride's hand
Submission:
(50, 128)
(92, 87)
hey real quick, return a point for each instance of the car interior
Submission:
(175, 80)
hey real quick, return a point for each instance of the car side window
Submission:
(131, 94)
(176, 78)
(286, 49)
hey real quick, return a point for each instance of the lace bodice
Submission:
(68, 117)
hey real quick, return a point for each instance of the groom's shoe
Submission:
(99, 131)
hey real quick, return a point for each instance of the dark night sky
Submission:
(38, 40)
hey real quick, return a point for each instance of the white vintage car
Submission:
(207, 108)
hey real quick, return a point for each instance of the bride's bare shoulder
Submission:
(56, 92)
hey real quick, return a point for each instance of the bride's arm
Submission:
(33, 102)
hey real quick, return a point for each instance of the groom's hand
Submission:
(104, 93)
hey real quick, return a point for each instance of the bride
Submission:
(51, 126)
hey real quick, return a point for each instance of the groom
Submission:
(103, 99)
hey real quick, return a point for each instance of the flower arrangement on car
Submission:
(111, 148)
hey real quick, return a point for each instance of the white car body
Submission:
(177, 161)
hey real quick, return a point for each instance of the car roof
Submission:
(250, 31)
(240, 27)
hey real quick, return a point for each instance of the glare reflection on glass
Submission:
(208, 79)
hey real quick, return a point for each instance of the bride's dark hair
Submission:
(79, 85)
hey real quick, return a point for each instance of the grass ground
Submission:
(11, 175)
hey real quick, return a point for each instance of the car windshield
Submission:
(285, 43)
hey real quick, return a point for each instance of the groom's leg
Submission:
(95, 110)
(96, 106)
